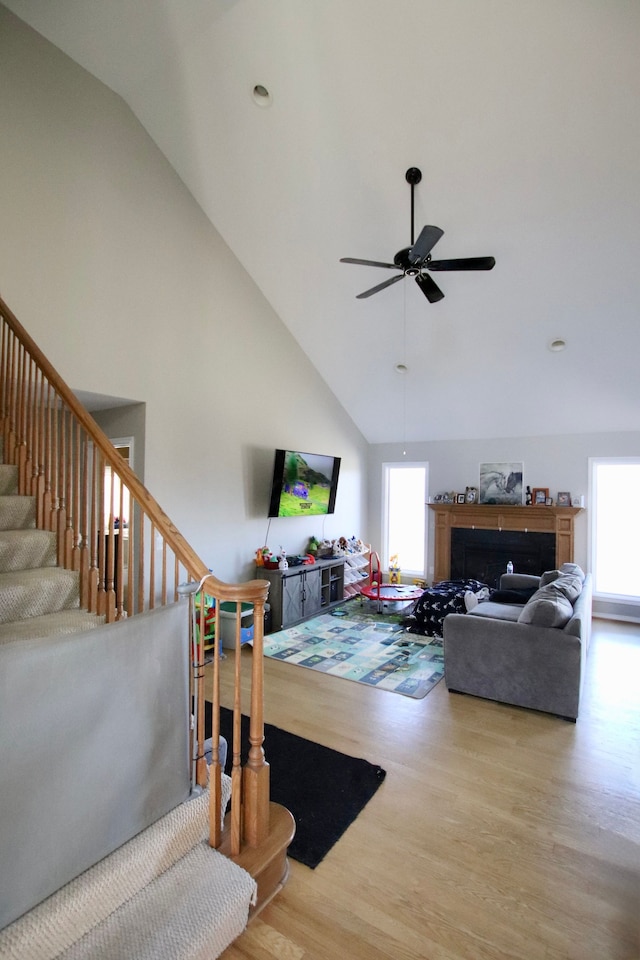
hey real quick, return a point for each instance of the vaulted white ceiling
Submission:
(523, 117)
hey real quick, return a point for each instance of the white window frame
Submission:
(386, 468)
(594, 463)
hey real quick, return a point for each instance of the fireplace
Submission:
(484, 554)
(488, 519)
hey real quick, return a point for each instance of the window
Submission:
(615, 527)
(404, 498)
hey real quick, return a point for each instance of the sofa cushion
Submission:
(497, 611)
(546, 609)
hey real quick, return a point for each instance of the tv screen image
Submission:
(304, 484)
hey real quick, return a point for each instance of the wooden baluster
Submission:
(94, 569)
(152, 568)
(77, 498)
(61, 518)
(198, 656)
(100, 532)
(34, 379)
(176, 577)
(17, 421)
(122, 546)
(215, 770)
(10, 435)
(256, 772)
(132, 529)
(237, 794)
(141, 556)
(28, 426)
(3, 376)
(39, 481)
(69, 471)
(22, 414)
(163, 586)
(85, 553)
(110, 597)
(4, 388)
(45, 510)
(55, 453)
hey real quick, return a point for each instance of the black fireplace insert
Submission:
(484, 554)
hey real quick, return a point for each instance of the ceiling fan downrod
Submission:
(413, 176)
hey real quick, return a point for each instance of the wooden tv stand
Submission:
(298, 593)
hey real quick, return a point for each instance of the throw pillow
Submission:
(574, 569)
(567, 585)
(548, 577)
(546, 610)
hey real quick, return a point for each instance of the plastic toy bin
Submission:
(228, 623)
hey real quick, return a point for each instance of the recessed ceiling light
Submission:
(401, 368)
(557, 344)
(261, 95)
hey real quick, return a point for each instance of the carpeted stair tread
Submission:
(27, 549)
(192, 912)
(49, 625)
(33, 593)
(164, 894)
(8, 479)
(17, 513)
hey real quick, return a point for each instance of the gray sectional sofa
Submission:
(527, 652)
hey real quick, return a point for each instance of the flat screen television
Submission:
(304, 484)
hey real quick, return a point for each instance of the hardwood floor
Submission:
(498, 832)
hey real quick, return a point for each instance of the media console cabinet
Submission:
(298, 593)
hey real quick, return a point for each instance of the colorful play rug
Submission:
(355, 644)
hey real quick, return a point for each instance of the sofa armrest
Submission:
(519, 581)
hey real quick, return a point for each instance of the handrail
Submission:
(110, 530)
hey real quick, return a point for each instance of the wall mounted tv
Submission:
(304, 484)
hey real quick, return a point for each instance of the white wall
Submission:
(559, 463)
(116, 273)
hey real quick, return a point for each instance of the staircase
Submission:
(37, 598)
(80, 624)
(163, 895)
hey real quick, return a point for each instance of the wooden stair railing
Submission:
(129, 556)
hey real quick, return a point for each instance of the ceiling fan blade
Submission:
(429, 287)
(381, 286)
(369, 263)
(427, 240)
(465, 263)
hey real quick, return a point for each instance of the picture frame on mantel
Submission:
(471, 495)
(501, 483)
(539, 496)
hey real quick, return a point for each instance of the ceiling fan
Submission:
(413, 261)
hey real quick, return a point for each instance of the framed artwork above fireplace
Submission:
(501, 483)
